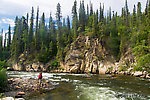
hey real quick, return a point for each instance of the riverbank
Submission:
(89, 86)
(142, 74)
(115, 70)
(22, 88)
(131, 73)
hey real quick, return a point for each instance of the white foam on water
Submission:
(76, 81)
(47, 75)
(65, 80)
(80, 75)
(57, 77)
(54, 80)
(96, 93)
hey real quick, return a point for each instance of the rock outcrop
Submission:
(128, 58)
(18, 67)
(87, 55)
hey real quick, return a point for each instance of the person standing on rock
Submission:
(40, 78)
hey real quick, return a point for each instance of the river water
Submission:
(90, 86)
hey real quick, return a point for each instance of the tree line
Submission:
(117, 33)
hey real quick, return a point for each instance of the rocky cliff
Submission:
(86, 55)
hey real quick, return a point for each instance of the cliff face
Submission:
(86, 55)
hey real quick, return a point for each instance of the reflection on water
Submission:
(91, 87)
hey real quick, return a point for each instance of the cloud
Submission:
(7, 21)
(21, 7)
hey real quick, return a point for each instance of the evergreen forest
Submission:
(38, 40)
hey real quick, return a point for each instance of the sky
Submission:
(9, 9)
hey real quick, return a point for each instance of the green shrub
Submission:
(3, 80)
(60, 68)
(136, 68)
(142, 54)
(110, 69)
(44, 58)
(148, 71)
(9, 64)
(124, 68)
(54, 64)
(1, 95)
(2, 64)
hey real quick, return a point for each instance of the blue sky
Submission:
(9, 9)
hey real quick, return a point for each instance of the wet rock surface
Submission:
(21, 88)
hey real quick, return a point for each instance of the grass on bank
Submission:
(3, 77)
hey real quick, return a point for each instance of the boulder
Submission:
(87, 70)
(131, 73)
(102, 71)
(21, 93)
(95, 67)
(121, 73)
(35, 66)
(8, 98)
(19, 99)
(18, 96)
(147, 76)
(82, 66)
(17, 87)
(44, 69)
(88, 67)
(10, 81)
(18, 67)
(75, 69)
(138, 73)
(10, 69)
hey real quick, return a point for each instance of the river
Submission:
(90, 86)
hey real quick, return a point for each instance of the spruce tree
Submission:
(146, 9)
(97, 16)
(31, 31)
(139, 14)
(134, 17)
(1, 44)
(100, 16)
(69, 30)
(87, 14)
(74, 20)
(1, 39)
(36, 31)
(94, 25)
(91, 9)
(13, 45)
(52, 28)
(5, 40)
(109, 13)
(58, 19)
(82, 17)
(127, 13)
(9, 38)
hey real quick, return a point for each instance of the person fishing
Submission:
(40, 78)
